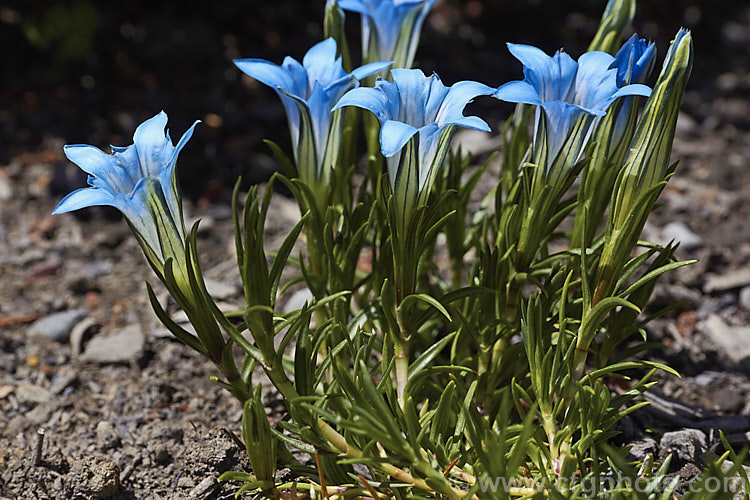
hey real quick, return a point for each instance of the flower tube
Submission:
(418, 116)
(141, 182)
(390, 28)
(569, 95)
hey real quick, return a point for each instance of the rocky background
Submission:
(130, 413)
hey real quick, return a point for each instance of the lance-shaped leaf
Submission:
(260, 442)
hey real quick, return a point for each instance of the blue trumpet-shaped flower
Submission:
(418, 116)
(569, 95)
(309, 91)
(140, 181)
(390, 28)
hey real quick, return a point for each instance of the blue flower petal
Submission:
(394, 135)
(370, 69)
(390, 28)
(311, 88)
(168, 179)
(634, 89)
(634, 61)
(420, 97)
(97, 163)
(594, 82)
(153, 146)
(82, 198)
(531, 57)
(518, 91)
(458, 96)
(567, 91)
(267, 73)
(354, 6)
(371, 99)
(320, 109)
(321, 64)
(429, 139)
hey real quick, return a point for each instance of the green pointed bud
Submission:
(333, 27)
(647, 161)
(617, 17)
(646, 169)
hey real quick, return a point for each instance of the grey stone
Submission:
(738, 278)
(732, 341)
(220, 290)
(30, 393)
(205, 488)
(81, 332)
(686, 445)
(6, 190)
(161, 455)
(297, 300)
(744, 299)
(707, 378)
(123, 346)
(737, 484)
(671, 293)
(642, 448)
(106, 436)
(681, 233)
(57, 326)
(476, 142)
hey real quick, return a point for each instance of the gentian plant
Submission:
(447, 350)
(418, 116)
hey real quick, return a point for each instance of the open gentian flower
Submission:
(140, 181)
(569, 95)
(418, 116)
(309, 91)
(390, 28)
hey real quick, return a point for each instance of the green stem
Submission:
(401, 351)
(233, 378)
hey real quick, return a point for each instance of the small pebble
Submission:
(57, 326)
(682, 234)
(30, 393)
(106, 436)
(124, 346)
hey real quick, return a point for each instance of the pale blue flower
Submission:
(418, 116)
(140, 181)
(390, 28)
(309, 91)
(569, 95)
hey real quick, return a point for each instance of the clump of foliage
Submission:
(487, 377)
